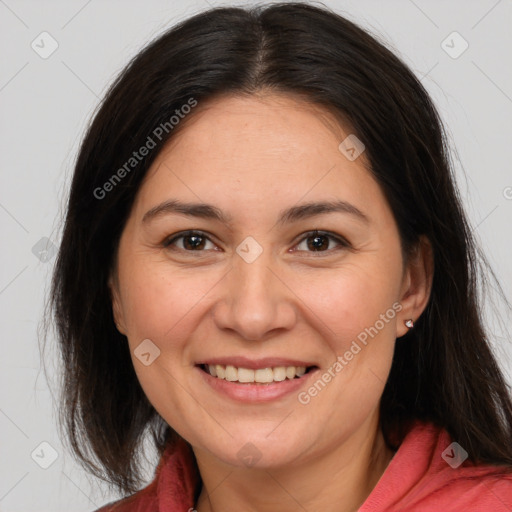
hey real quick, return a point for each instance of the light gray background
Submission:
(46, 103)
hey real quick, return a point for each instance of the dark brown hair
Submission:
(443, 370)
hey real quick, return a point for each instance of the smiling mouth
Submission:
(258, 376)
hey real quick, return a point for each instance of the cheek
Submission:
(161, 303)
(358, 307)
(353, 300)
(164, 306)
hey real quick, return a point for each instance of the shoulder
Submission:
(142, 501)
(452, 479)
(174, 487)
(431, 472)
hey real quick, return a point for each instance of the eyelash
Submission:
(168, 242)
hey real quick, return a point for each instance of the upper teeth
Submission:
(263, 375)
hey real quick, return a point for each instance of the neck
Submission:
(338, 480)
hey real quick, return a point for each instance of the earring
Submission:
(409, 323)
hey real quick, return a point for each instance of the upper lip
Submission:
(255, 364)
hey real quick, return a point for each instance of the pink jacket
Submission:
(419, 478)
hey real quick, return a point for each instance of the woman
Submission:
(265, 264)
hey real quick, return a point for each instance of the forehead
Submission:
(256, 150)
(274, 125)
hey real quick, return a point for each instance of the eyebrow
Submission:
(288, 216)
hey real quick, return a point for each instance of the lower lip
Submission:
(256, 393)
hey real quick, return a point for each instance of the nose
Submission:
(256, 302)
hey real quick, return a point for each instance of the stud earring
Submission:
(409, 323)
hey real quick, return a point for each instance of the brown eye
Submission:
(189, 241)
(318, 241)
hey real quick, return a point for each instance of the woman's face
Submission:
(254, 288)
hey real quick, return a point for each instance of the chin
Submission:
(258, 450)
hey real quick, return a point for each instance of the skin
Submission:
(252, 157)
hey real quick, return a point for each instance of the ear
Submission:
(117, 310)
(416, 284)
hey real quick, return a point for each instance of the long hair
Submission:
(443, 370)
